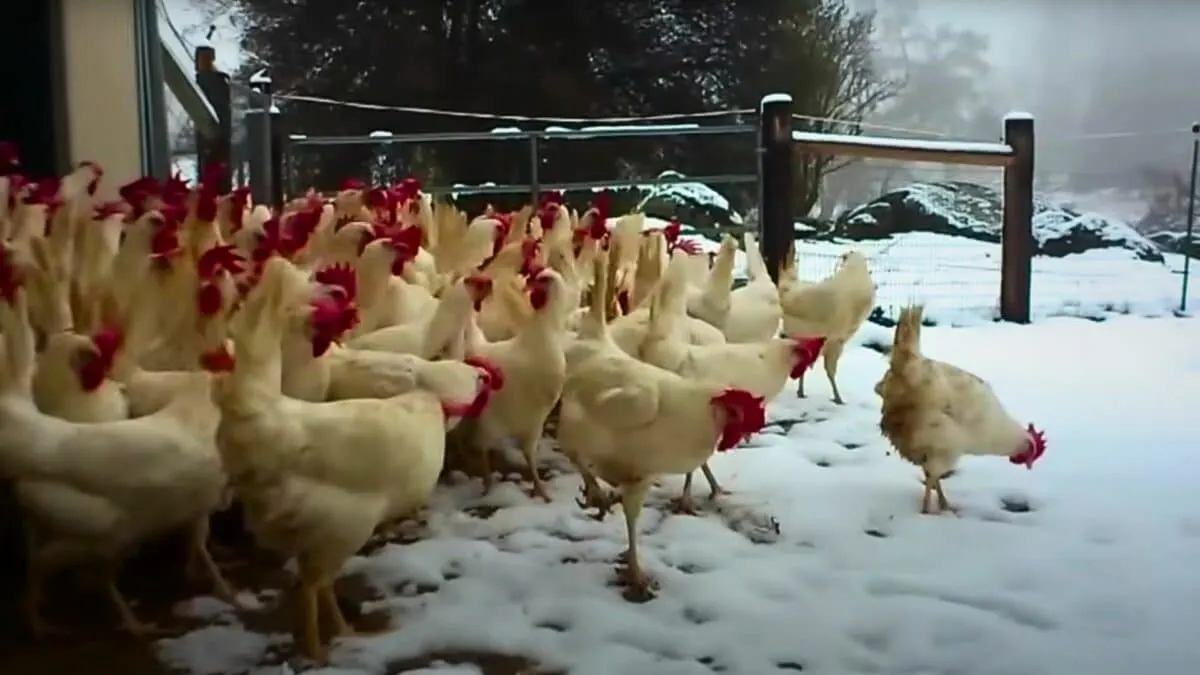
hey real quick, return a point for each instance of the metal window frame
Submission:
(152, 110)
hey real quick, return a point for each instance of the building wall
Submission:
(100, 64)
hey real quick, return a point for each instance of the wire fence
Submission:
(957, 277)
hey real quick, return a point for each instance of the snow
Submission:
(959, 278)
(974, 147)
(773, 98)
(1098, 577)
(1018, 115)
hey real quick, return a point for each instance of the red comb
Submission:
(175, 190)
(351, 184)
(217, 259)
(340, 276)
(10, 158)
(11, 278)
(238, 199)
(93, 371)
(805, 352)
(671, 231)
(272, 241)
(107, 210)
(330, 318)
(529, 252)
(1033, 451)
(745, 414)
(406, 240)
(407, 189)
(44, 192)
(601, 204)
(164, 243)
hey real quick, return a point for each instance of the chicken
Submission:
(761, 368)
(316, 369)
(711, 302)
(754, 311)
(535, 368)
(834, 309)
(385, 298)
(303, 493)
(933, 413)
(430, 337)
(71, 380)
(627, 422)
(83, 503)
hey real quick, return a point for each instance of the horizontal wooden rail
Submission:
(905, 149)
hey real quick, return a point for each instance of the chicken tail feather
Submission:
(906, 345)
(595, 324)
(756, 267)
(668, 302)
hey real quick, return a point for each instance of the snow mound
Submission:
(688, 202)
(975, 211)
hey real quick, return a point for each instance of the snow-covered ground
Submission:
(958, 279)
(1097, 577)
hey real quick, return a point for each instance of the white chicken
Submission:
(627, 422)
(303, 494)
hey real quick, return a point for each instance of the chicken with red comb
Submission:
(94, 367)
(210, 297)
(11, 277)
(933, 413)
(341, 278)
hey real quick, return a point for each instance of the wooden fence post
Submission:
(258, 139)
(215, 86)
(776, 228)
(278, 155)
(1017, 245)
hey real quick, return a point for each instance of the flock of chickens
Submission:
(176, 350)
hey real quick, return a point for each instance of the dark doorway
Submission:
(31, 68)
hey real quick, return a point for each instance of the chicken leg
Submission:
(309, 623)
(529, 448)
(831, 353)
(683, 504)
(633, 496)
(934, 486)
(129, 621)
(37, 568)
(342, 627)
(201, 563)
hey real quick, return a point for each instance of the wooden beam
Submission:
(905, 149)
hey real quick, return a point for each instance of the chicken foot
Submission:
(342, 627)
(592, 496)
(684, 505)
(529, 448)
(934, 486)
(130, 623)
(629, 569)
(35, 575)
(201, 564)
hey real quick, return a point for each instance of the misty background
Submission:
(1114, 87)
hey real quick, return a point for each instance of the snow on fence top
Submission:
(973, 147)
(1018, 115)
(774, 98)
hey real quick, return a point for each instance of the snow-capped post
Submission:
(278, 156)
(214, 84)
(258, 138)
(775, 227)
(1016, 265)
(1191, 218)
